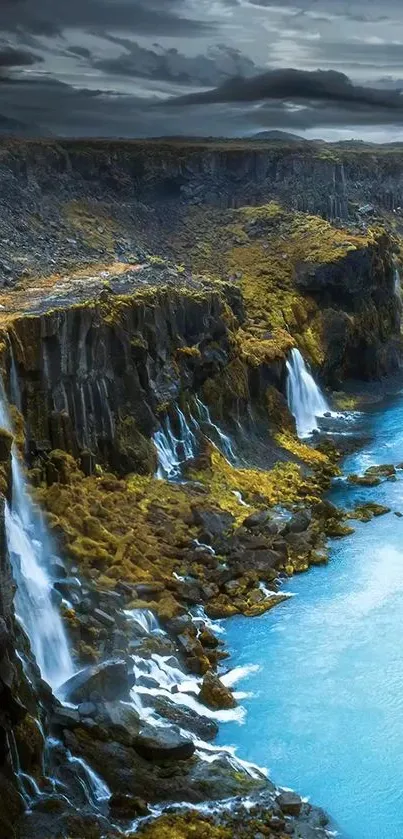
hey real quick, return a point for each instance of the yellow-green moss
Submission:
(345, 401)
(304, 452)
(188, 826)
(188, 352)
(285, 483)
(261, 249)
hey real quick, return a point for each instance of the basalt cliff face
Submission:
(52, 192)
(151, 297)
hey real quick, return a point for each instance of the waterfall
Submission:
(224, 442)
(173, 451)
(168, 460)
(188, 439)
(145, 620)
(397, 287)
(94, 786)
(305, 399)
(15, 391)
(29, 550)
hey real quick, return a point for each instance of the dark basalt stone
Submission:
(299, 522)
(213, 523)
(110, 680)
(163, 744)
(65, 718)
(186, 718)
(290, 803)
(128, 806)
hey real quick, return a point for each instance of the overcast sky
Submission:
(137, 68)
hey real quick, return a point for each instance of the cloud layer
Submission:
(209, 67)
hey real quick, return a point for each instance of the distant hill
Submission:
(281, 136)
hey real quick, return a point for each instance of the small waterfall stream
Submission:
(224, 442)
(29, 548)
(305, 399)
(397, 284)
(174, 451)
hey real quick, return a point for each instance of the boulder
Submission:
(212, 522)
(190, 645)
(186, 718)
(259, 519)
(160, 744)
(290, 803)
(385, 470)
(65, 718)
(149, 591)
(128, 806)
(110, 680)
(298, 522)
(68, 586)
(103, 618)
(208, 639)
(364, 480)
(57, 568)
(215, 694)
(87, 709)
(259, 561)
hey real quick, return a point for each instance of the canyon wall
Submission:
(312, 177)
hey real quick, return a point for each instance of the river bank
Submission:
(324, 708)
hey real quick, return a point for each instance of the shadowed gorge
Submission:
(189, 340)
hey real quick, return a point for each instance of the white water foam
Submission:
(29, 550)
(305, 399)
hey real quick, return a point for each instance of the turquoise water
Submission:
(325, 710)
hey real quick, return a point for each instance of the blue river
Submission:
(325, 708)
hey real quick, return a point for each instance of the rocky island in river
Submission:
(186, 329)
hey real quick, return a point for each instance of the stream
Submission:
(325, 708)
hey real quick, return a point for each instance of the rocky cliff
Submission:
(63, 202)
(151, 295)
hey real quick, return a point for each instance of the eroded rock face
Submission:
(215, 694)
(108, 680)
(164, 744)
(106, 368)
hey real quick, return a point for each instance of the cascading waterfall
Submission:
(169, 464)
(397, 286)
(305, 399)
(174, 451)
(224, 442)
(95, 788)
(29, 550)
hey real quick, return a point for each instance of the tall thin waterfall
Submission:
(174, 451)
(397, 283)
(305, 399)
(224, 442)
(29, 550)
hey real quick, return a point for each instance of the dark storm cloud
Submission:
(15, 57)
(143, 16)
(47, 106)
(296, 85)
(217, 65)
(138, 52)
